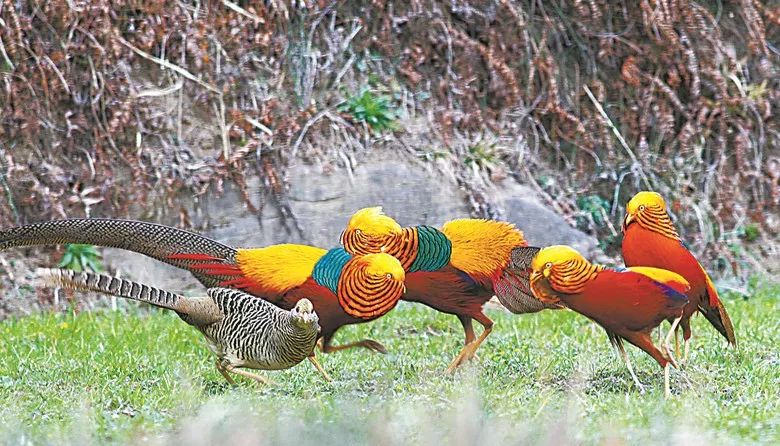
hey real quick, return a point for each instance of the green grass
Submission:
(131, 376)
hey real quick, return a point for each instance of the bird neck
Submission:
(403, 246)
(655, 219)
(434, 249)
(571, 277)
(327, 271)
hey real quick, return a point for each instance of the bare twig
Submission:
(168, 65)
(243, 11)
(619, 137)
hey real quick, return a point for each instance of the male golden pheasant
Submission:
(454, 270)
(650, 239)
(628, 304)
(344, 289)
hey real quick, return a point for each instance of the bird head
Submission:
(371, 285)
(649, 210)
(558, 271)
(641, 204)
(303, 314)
(550, 257)
(384, 266)
(368, 231)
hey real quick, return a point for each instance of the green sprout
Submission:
(375, 110)
(80, 257)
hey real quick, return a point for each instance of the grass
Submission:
(144, 376)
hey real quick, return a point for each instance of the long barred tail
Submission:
(182, 249)
(115, 286)
(513, 286)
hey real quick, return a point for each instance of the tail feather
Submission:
(115, 286)
(712, 309)
(182, 249)
(197, 311)
(513, 287)
(719, 319)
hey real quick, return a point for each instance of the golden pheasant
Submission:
(628, 304)
(344, 289)
(650, 239)
(454, 270)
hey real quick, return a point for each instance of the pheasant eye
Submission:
(358, 231)
(641, 207)
(389, 276)
(548, 265)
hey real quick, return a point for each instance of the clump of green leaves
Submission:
(371, 108)
(750, 233)
(80, 257)
(595, 209)
(594, 205)
(481, 154)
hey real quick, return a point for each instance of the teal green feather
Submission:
(433, 250)
(327, 270)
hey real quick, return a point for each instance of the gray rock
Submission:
(541, 225)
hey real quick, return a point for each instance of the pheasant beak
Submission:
(546, 273)
(627, 221)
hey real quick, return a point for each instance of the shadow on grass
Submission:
(214, 387)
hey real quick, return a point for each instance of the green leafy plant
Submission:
(594, 205)
(79, 258)
(750, 233)
(483, 155)
(375, 110)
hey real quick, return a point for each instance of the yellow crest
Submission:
(554, 255)
(373, 222)
(565, 269)
(646, 199)
(382, 264)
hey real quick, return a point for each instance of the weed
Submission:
(80, 257)
(375, 110)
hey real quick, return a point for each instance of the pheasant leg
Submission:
(667, 389)
(667, 342)
(260, 379)
(467, 352)
(224, 373)
(365, 343)
(322, 371)
(638, 383)
(677, 346)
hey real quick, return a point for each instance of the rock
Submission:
(323, 203)
(541, 225)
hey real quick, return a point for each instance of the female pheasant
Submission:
(240, 329)
(629, 304)
(454, 270)
(344, 289)
(650, 239)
